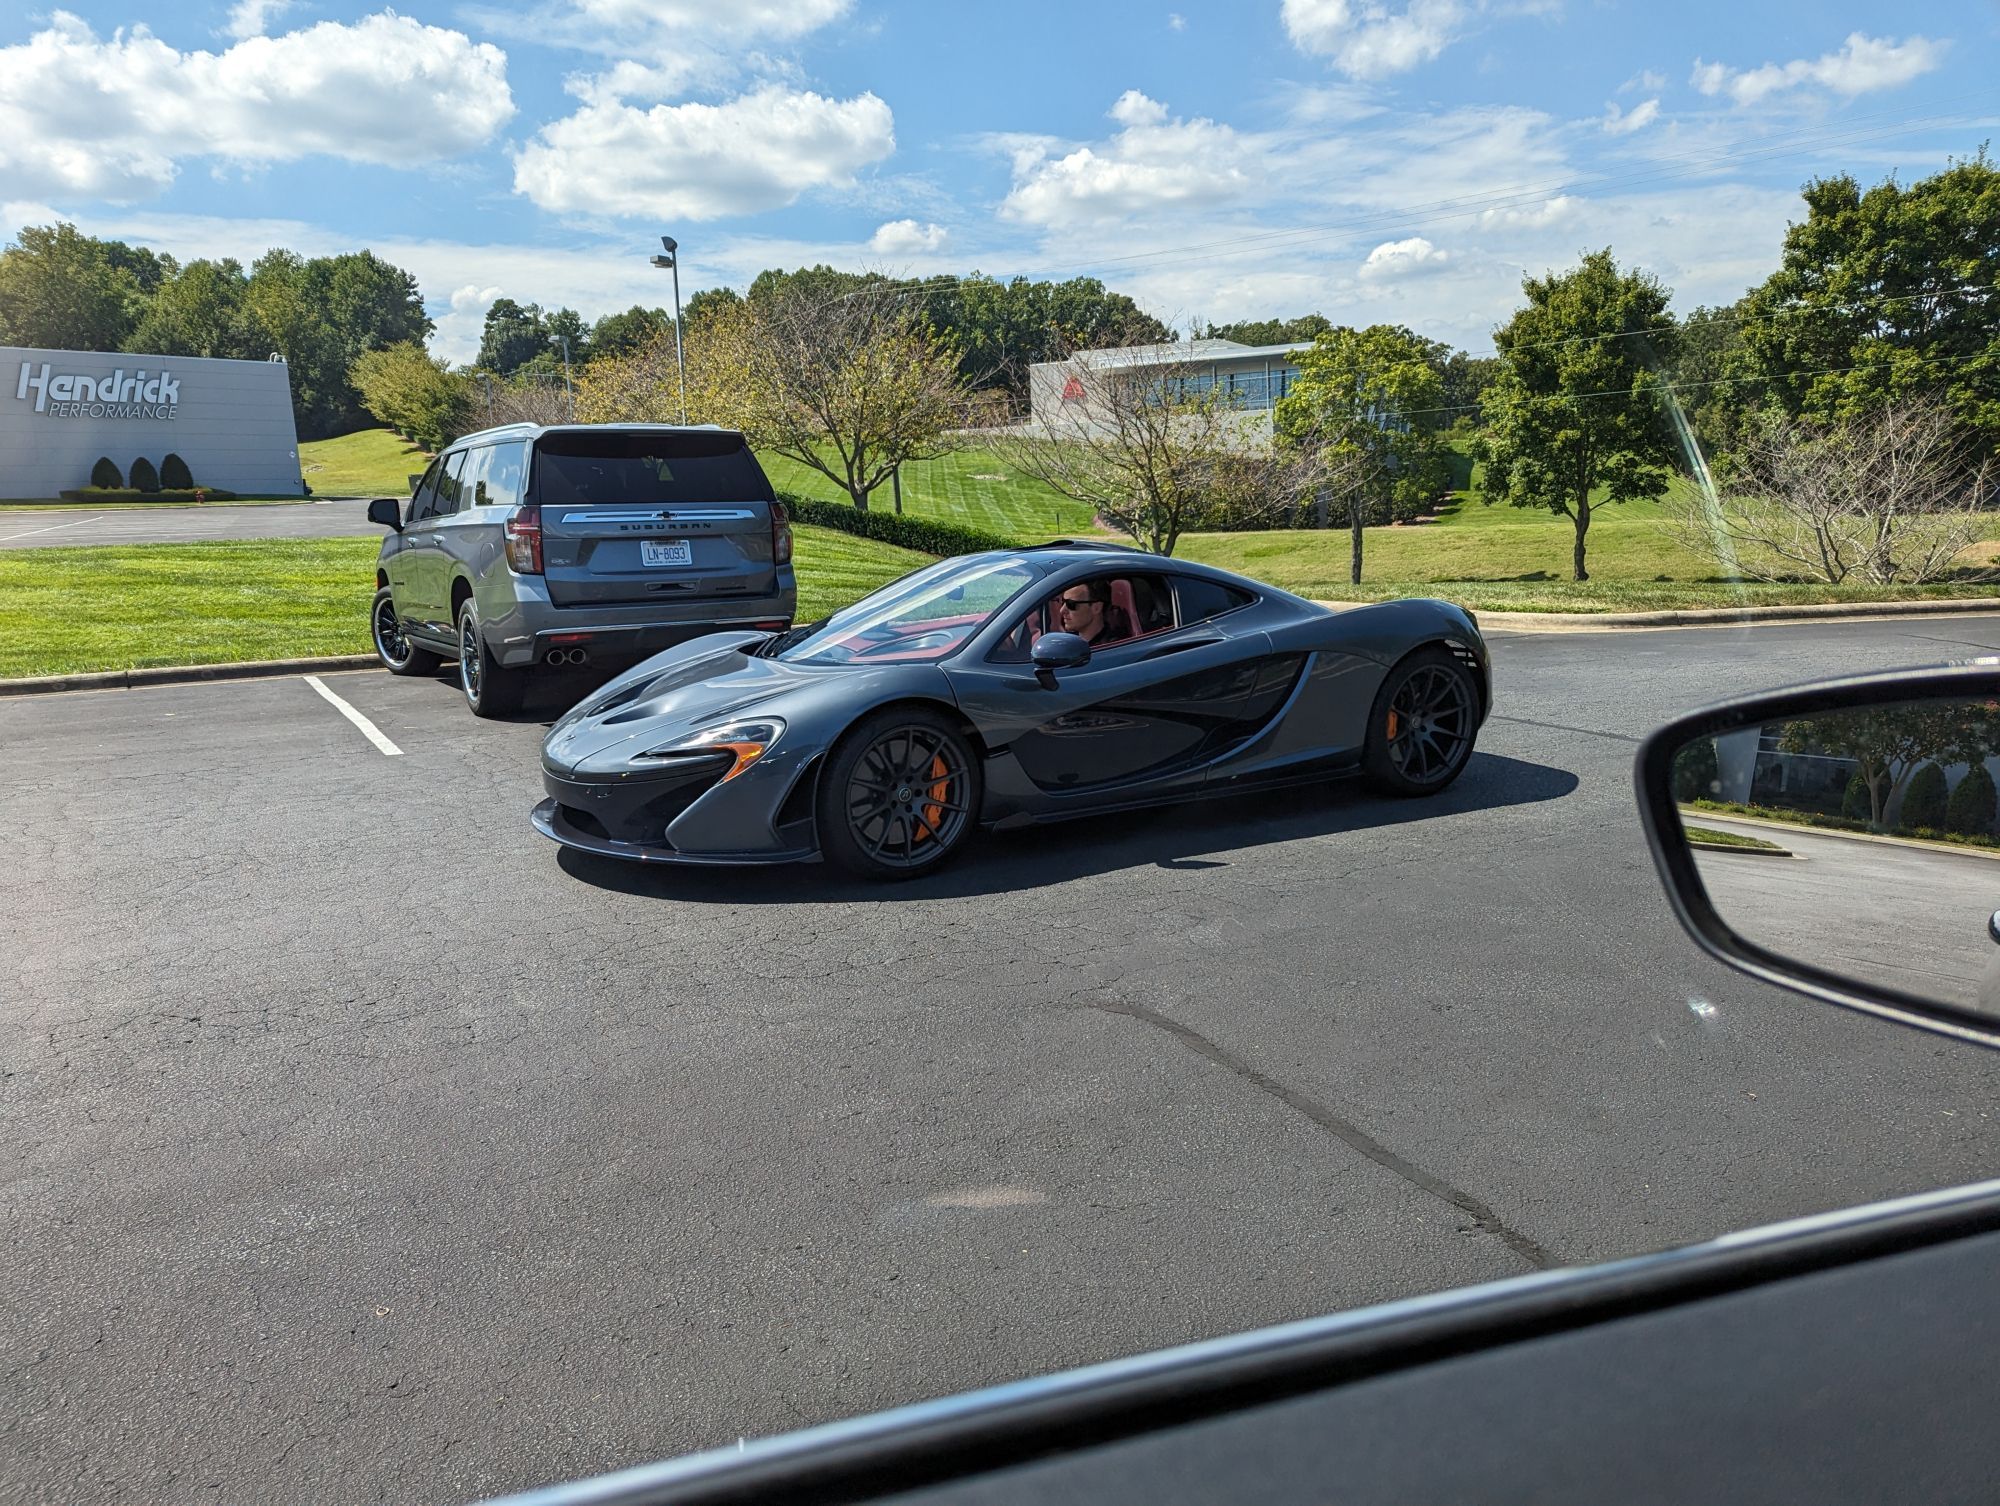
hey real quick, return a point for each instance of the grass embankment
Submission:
(66, 611)
(1703, 836)
(971, 487)
(367, 463)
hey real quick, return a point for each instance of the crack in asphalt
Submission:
(1350, 1134)
(1528, 721)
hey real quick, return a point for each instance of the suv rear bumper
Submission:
(525, 627)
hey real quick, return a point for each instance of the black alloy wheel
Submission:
(1422, 725)
(491, 689)
(392, 645)
(899, 796)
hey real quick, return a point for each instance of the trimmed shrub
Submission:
(1854, 804)
(1969, 812)
(105, 473)
(926, 535)
(1923, 799)
(144, 477)
(1695, 770)
(127, 494)
(175, 475)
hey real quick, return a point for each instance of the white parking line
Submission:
(368, 728)
(78, 523)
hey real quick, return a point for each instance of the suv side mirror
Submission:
(1059, 651)
(1841, 839)
(387, 511)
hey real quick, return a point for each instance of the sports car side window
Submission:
(1203, 599)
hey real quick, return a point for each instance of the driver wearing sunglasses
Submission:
(1085, 609)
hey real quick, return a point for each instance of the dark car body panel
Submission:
(1274, 691)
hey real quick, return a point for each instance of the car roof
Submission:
(535, 431)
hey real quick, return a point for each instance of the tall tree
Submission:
(1885, 294)
(63, 290)
(416, 394)
(202, 309)
(320, 315)
(621, 334)
(1577, 405)
(851, 383)
(1270, 331)
(1374, 397)
(515, 334)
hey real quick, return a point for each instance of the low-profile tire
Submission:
(491, 689)
(392, 645)
(1422, 725)
(899, 795)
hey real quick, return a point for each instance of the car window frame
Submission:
(1182, 577)
(449, 489)
(423, 499)
(523, 450)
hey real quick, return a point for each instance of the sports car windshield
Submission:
(920, 618)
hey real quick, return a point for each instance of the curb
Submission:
(1594, 622)
(181, 674)
(1696, 817)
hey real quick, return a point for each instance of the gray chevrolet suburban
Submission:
(526, 546)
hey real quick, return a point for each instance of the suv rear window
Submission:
(634, 469)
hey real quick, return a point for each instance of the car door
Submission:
(1142, 714)
(403, 564)
(430, 566)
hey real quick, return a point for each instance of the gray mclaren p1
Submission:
(1001, 689)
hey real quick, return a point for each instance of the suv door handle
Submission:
(1206, 641)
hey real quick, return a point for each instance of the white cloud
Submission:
(1549, 212)
(1176, 21)
(1623, 123)
(674, 21)
(1400, 258)
(113, 119)
(1862, 65)
(252, 18)
(756, 152)
(1648, 82)
(1153, 165)
(902, 236)
(1370, 39)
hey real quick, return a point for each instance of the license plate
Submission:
(666, 552)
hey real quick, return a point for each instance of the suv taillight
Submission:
(524, 540)
(781, 535)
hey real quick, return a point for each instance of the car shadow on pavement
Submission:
(1180, 838)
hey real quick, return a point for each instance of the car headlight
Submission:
(745, 742)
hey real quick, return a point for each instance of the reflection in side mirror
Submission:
(1844, 840)
(1060, 651)
(388, 512)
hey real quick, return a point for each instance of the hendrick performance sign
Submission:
(61, 411)
(121, 394)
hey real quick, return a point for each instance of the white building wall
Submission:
(231, 421)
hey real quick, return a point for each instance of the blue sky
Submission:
(1402, 160)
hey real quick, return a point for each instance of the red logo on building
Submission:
(1073, 390)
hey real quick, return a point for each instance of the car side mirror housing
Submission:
(1841, 839)
(388, 512)
(1060, 651)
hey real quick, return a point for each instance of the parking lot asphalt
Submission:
(62, 528)
(360, 1145)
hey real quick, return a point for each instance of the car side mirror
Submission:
(388, 512)
(1840, 839)
(1060, 651)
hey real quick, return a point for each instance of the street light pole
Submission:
(568, 390)
(672, 262)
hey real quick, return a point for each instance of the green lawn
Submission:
(971, 487)
(367, 463)
(1515, 559)
(64, 611)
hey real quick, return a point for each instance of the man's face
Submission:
(1077, 613)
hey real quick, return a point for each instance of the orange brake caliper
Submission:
(940, 787)
(1395, 723)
